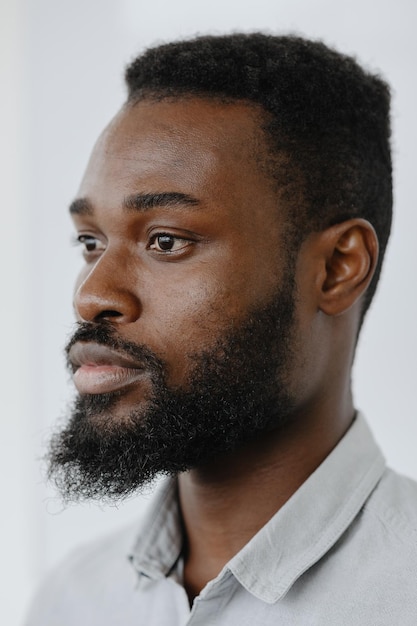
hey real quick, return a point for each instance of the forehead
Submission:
(194, 143)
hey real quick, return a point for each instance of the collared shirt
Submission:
(341, 551)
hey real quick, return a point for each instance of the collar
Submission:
(159, 545)
(313, 519)
(296, 537)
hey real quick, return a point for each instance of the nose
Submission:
(107, 292)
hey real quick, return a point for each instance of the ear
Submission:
(349, 256)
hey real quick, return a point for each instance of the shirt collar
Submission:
(159, 544)
(296, 537)
(313, 519)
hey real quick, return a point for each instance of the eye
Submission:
(90, 244)
(164, 242)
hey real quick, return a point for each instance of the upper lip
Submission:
(90, 353)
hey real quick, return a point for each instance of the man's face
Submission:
(186, 297)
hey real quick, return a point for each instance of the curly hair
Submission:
(325, 114)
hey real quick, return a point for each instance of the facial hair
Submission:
(234, 392)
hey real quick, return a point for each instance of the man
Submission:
(233, 219)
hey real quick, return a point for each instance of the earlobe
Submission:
(350, 254)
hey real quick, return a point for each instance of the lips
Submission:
(99, 369)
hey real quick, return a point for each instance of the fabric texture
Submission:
(341, 551)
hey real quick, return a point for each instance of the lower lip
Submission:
(96, 379)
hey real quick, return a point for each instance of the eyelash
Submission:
(172, 238)
(85, 240)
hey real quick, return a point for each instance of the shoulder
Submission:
(393, 505)
(85, 580)
(100, 558)
(381, 555)
(382, 544)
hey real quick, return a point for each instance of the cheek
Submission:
(185, 311)
(182, 321)
(192, 308)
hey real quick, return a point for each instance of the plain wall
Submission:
(62, 65)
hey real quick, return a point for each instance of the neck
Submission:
(225, 504)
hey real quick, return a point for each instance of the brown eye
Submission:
(90, 243)
(165, 242)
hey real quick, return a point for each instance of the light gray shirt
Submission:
(341, 551)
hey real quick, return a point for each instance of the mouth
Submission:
(97, 369)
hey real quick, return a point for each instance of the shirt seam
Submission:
(394, 522)
(313, 550)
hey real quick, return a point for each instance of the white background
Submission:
(61, 68)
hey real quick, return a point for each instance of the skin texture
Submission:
(229, 258)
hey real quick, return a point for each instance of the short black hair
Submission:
(325, 113)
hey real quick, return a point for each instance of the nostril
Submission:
(104, 295)
(106, 314)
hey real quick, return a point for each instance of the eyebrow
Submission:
(81, 206)
(140, 202)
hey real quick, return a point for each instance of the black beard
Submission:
(235, 391)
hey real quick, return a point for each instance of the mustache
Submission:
(104, 333)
